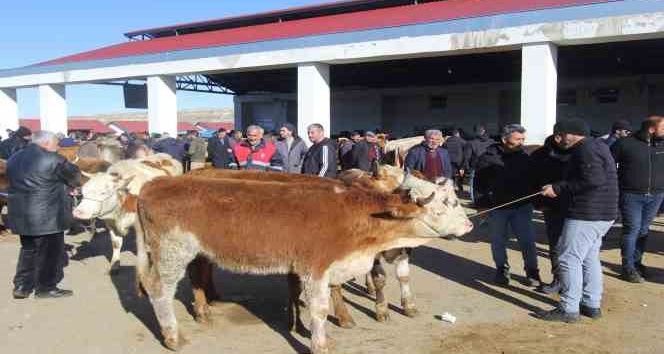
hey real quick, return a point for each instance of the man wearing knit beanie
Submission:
(589, 192)
(620, 129)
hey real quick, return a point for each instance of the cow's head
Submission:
(102, 194)
(436, 210)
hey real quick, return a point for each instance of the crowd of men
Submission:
(580, 183)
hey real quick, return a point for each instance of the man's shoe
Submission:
(533, 278)
(553, 288)
(558, 315)
(643, 271)
(632, 276)
(21, 292)
(502, 276)
(592, 312)
(53, 294)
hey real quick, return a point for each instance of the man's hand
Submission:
(548, 191)
(462, 173)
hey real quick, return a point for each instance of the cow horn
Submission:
(87, 175)
(427, 200)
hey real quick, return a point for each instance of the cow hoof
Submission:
(371, 291)
(172, 344)
(347, 324)
(382, 317)
(411, 311)
(203, 319)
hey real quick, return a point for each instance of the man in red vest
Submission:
(255, 153)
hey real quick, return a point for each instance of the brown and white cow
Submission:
(321, 245)
(111, 195)
(387, 180)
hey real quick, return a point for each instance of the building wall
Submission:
(406, 111)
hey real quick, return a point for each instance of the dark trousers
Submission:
(458, 180)
(638, 211)
(553, 220)
(40, 262)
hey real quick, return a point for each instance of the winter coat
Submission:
(11, 146)
(220, 152)
(640, 160)
(548, 164)
(474, 149)
(417, 156)
(455, 146)
(263, 156)
(294, 156)
(502, 177)
(590, 182)
(39, 181)
(321, 159)
(197, 150)
(360, 155)
(170, 146)
(346, 155)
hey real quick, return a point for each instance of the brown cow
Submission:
(321, 245)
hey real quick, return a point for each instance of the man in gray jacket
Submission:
(292, 148)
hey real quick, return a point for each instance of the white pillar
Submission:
(53, 108)
(162, 105)
(8, 111)
(313, 97)
(539, 88)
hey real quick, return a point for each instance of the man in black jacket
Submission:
(502, 177)
(472, 151)
(589, 189)
(366, 153)
(640, 161)
(548, 164)
(18, 141)
(455, 145)
(40, 210)
(321, 158)
(220, 150)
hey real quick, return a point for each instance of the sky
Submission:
(33, 31)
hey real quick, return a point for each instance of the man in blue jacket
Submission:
(430, 157)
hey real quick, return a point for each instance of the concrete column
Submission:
(53, 108)
(313, 97)
(162, 105)
(539, 88)
(8, 111)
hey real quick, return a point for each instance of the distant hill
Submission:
(222, 115)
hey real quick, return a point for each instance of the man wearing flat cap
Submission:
(589, 192)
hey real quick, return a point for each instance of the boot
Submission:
(631, 275)
(593, 313)
(502, 276)
(553, 288)
(558, 315)
(533, 278)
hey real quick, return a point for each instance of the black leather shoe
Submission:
(53, 294)
(21, 292)
(533, 278)
(592, 312)
(553, 288)
(502, 276)
(632, 276)
(558, 315)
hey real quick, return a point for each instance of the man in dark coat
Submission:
(503, 177)
(472, 151)
(429, 157)
(455, 145)
(40, 210)
(366, 153)
(619, 130)
(346, 150)
(220, 150)
(589, 189)
(640, 161)
(321, 158)
(18, 141)
(171, 146)
(548, 164)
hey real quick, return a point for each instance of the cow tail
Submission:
(142, 259)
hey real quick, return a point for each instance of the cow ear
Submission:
(404, 211)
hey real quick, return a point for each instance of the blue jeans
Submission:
(520, 221)
(579, 267)
(638, 211)
(471, 185)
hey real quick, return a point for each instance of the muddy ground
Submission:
(105, 316)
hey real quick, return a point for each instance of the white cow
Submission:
(111, 195)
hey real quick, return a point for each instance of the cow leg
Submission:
(378, 275)
(294, 292)
(340, 309)
(116, 244)
(200, 277)
(403, 275)
(371, 287)
(318, 296)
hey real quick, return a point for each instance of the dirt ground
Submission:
(105, 316)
